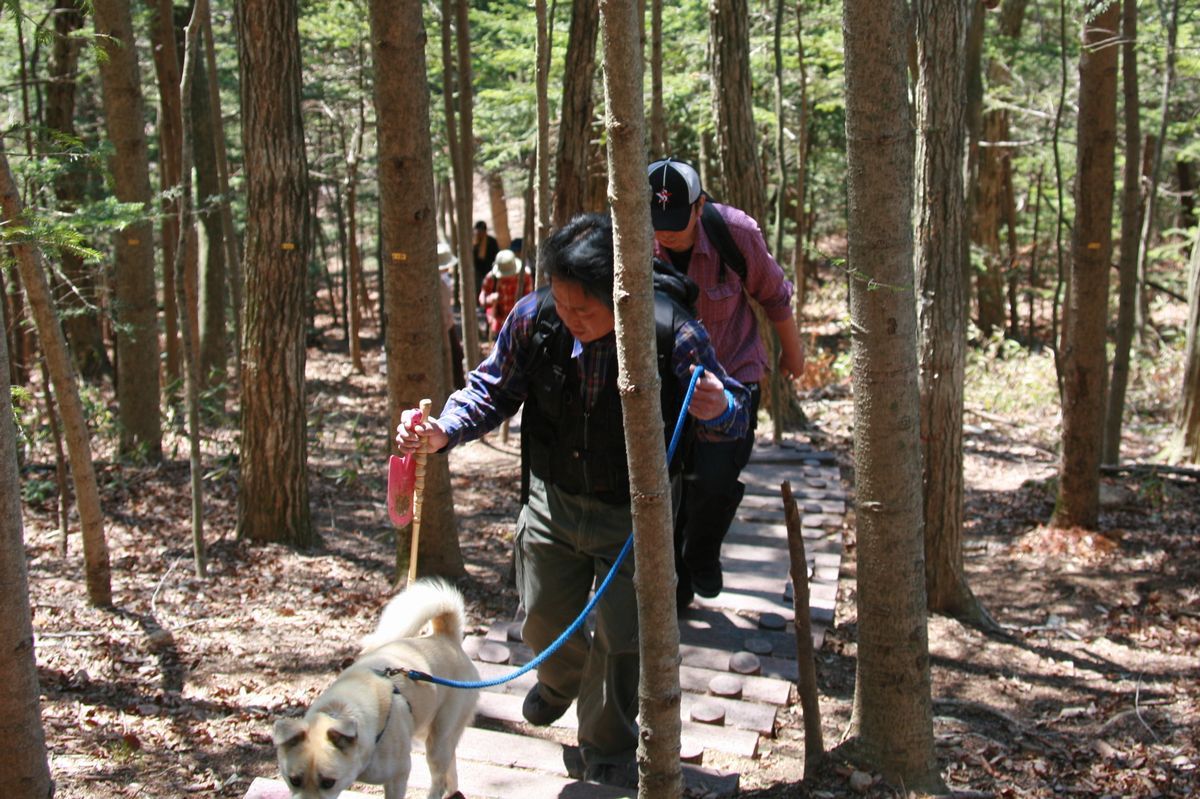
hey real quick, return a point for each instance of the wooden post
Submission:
(806, 680)
(418, 496)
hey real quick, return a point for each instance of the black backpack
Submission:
(718, 233)
(674, 284)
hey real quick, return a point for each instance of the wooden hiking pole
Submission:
(418, 495)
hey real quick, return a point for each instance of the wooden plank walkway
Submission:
(738, 652)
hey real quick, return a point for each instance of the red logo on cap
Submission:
(664, 197)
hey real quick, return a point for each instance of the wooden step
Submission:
(705, 737)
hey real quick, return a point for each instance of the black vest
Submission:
(582, 450)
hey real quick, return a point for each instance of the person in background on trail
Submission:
(699, 237)
(556, 353)
(484, 247)
(446, 263)
(504, 285)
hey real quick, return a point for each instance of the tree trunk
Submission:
(409, 232)
(462, 163)
(23, 758)
(575, 113)
(185, 259)
(1142, 308)
(1131, 215)
(170, 136)
(542, 166)
(499, 205)
(1185, 177)
(989, 201)
(729, 26)
(941, 27)
(273, 489)
(892, 721)
(62, 376)
(232, 255)
(1188, 418)
(1078, 502)
(135, 304)
(213, 275)
(659, 691)
(799, 256)
(780, 138)
(660, 144)
(82, 323)
(357, 297)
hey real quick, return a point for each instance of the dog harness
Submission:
(388, 674)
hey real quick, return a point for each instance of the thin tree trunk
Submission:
(1187, 419)
(357, 296)
(466, 144)
(780, 139)
(542, 188)
(1060, 273)
(187, 245)
(62, 375)
(456, 81)
(135, 303)
(659, 691)
(1078, 503)
(170, 136)
(82, 323)
(1131, 213)
(212, 295)
(232, 251)
(799, 255)
(23, 757)
(412, 289)
(1170, 23)
(16, 332)
(660, 144)
(991, 204)
(892, 719)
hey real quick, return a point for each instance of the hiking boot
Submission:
(707, 580)
(538, 711)
(621, 775)
(683, 596)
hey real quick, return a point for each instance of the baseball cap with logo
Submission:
(674, 188)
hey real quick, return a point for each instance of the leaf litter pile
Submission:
(1091, 691)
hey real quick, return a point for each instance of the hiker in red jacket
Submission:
(504, 285)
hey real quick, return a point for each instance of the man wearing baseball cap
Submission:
(682, 228)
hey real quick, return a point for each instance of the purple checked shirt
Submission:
(723, 308)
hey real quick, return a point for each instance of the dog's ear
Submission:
(343, 733)
(289, 732)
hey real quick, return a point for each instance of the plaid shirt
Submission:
(496, 388)
(722, 305)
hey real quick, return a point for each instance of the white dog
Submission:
(362, 727)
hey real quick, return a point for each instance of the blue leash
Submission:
(415, 675)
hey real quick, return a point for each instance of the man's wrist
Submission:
(726, 415)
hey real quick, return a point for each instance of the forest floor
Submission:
(1092, 690)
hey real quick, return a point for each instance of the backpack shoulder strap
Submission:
(718, 233)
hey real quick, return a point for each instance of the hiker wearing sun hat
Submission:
(504, 285)
(724, 252)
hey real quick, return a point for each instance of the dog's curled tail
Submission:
(427, 601)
